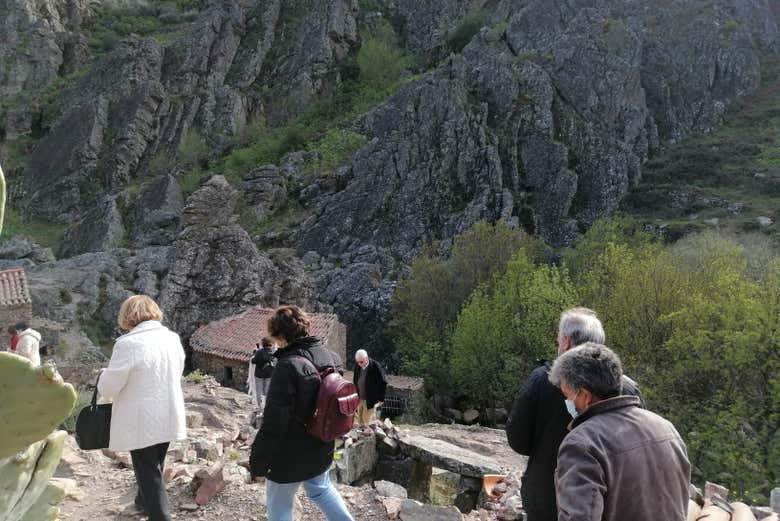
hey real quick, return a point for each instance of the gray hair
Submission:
(591, 366)
(361, 354)
(581, 325)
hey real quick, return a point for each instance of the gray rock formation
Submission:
(217, 270)
(138, 103)
(23, 247)
(447, 456)
(40, 41)
(156, 212)
(100, 229)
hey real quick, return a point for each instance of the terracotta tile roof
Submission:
(13, 288)
(235, 338)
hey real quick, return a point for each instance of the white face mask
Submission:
(571, 408)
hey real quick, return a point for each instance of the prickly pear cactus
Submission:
(2, 198)
(34, 402)
(25, 492)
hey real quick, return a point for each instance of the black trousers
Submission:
(148, 466)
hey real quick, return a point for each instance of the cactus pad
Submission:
(24, 480)
(35, 401)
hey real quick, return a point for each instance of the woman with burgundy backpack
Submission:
(287, 450)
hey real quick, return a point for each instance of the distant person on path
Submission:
(29, 343)
(539, 418)
(14, 340)
(370, 380)
(619, 462)
(264, 361)
(144, 380)
(283, 451)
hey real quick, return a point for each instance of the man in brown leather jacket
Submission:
(619, 462)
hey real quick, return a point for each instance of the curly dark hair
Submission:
(289, 323)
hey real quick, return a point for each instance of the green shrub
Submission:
(427, 303)
(335, 148)
(83, 399)
(380, 60)
(195, 376)
(65, 296)
(506, 327)
(696, 326)
(468, 27)
(193, 150)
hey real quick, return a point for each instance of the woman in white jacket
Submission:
(144, 380)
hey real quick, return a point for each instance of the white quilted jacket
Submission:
(144, 380)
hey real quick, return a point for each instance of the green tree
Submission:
(427, 302)
(505, 328)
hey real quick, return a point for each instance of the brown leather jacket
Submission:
(622, 463)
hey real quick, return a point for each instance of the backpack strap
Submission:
(310, 364)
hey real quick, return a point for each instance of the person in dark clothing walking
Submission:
(370, 380)
(283, 452)
(264, 361)
(540, 417)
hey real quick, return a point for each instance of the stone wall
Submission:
(230, 373)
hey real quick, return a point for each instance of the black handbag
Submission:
(93, 425)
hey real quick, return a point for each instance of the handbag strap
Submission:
(95, 392)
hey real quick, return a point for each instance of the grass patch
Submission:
(190, 181)
(285, 218)
(42, 232)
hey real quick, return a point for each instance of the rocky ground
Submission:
(100, 485)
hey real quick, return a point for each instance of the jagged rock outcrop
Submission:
(130, 113)
(217, 270)
(40, 42)
(156, 212)
(100, 229)
(543, 121)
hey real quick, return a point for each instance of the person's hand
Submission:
(379, 404)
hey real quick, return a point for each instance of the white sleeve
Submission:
(114, 378)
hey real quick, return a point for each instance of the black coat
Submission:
(376, 382)
(282, 450)
(264, 361)
(536, 427)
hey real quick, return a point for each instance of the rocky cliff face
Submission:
(543, 119)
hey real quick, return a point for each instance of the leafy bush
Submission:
(427, 303)
(466, 30)
(506, 327)
(193, 150)
(698, 330)
(380, 60)
(336, 147)
(195, 376)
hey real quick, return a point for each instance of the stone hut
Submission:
(223, 348)
(15, 301)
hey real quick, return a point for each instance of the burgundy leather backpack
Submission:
(337, 401)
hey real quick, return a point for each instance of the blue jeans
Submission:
(280, 498)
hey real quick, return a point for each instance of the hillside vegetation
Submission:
(696, 323)
(726, 179)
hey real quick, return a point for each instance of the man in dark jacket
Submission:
(619, 462)
(283, 451)
(539, 418)
(370, 380)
